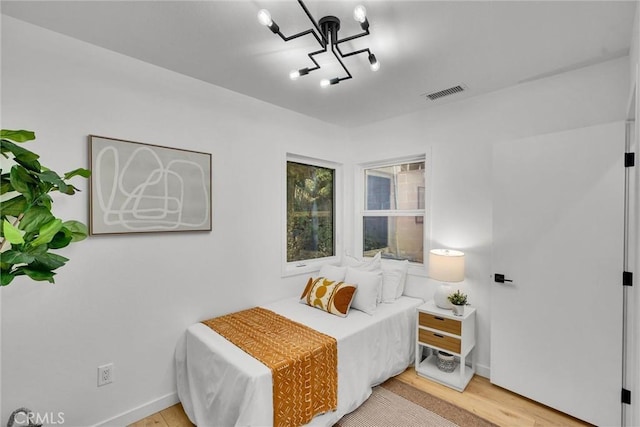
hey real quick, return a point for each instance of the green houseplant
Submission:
(29, 229)
(459, 300)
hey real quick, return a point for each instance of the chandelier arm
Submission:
(311, 56)
(315, 24)
(357, 36)
(344, 55)
(303, 33)
(344, 67)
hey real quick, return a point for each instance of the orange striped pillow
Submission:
(331, 296)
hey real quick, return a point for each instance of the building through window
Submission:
(394, 211)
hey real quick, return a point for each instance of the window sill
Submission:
(298, 269)
(305, 267)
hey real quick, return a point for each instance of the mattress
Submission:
(221, 385)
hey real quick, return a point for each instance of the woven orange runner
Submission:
(303, 361)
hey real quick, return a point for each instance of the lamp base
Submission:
(440, 297)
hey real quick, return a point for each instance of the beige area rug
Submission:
(395, 403)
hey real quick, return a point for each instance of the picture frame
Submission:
(144, 188)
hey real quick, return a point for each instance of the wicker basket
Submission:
(446, 362)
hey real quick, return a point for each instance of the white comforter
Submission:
(221, 385)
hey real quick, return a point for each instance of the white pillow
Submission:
(363, 264)
(372, 264)
(369, 284)
(391, 279)
(402, 266)
(333, 272)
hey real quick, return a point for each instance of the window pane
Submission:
(398, 237)
(396, 187)
(310, 222)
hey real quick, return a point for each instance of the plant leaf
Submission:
(38, 250)
(61, 239)
(12, 234)
(5, 186)
(18, 135)
(14, 206)
(16, 257)
(40, 275)
(21, 179)
(35, 218)
(45, 200)
(52, 178)
(47, 231)
(85, 173)
(5, 277)
(32, 165)
(21, 155)
(71, 190)
(78, 230)
(48, 262)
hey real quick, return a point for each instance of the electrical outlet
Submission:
(105, 374)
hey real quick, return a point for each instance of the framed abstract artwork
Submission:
(145, 188)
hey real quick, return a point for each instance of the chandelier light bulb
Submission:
(294, 75)
(373, 61)
(264, 17)
(360, 13)
(329, 82)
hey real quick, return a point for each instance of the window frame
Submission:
(415, 268)
(295, 268)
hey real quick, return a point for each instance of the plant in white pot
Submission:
(459, 300)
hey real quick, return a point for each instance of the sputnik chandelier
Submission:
(326, 34)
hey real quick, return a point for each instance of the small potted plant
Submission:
(459, 300)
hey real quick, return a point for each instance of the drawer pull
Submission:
(439, 336)
(438, 318)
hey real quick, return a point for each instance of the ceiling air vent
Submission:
(446, 92)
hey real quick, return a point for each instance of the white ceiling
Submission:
(423, 46)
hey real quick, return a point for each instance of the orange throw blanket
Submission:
(303, 361)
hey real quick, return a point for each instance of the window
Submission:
(394, 210)
(310, 213)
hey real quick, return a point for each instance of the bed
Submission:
(221, 385)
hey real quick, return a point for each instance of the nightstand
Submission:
(440, 330)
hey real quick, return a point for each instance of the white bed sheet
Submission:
(221, 385)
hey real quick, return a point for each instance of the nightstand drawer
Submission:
(443, 341)
(440, 323)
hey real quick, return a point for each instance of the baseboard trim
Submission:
(142, 411)
(483, 371)
(157, 405)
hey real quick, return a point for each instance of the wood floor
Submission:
(488, 401)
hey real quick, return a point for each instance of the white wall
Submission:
(126, 299)
(459, 138)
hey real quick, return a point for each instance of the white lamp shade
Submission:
(446, 265)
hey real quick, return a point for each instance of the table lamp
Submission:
(446, 266)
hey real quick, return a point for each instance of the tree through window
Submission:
(310, 211)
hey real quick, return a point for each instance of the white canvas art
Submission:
(139, 188)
